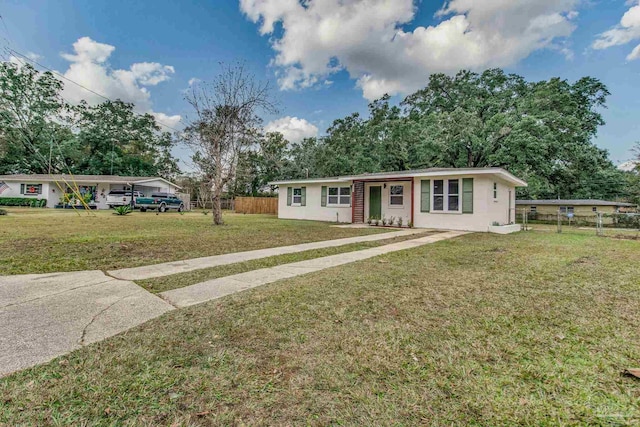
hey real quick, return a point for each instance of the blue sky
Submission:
(324, 60)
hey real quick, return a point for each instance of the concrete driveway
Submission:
(43, 316)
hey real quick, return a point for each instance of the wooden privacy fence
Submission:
(257, 205)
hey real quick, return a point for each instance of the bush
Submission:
(22, 201)
(2, 212)
(122, 210)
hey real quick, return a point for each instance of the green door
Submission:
(375, 202)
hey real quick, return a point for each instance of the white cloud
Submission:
(626, 31)
(293, 128)
(193, 81)
(89, 67)
(365, 38)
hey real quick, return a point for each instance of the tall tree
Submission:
(541, 131)
(32, 137)
(117, 141)
(226, 125)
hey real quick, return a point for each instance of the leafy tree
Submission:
(32, 136)
(117, 141)
(541, 131)
(265, 163)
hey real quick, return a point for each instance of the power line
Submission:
(76, 83)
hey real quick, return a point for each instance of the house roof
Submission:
(106, 179)
(573, 202)
(411, 174)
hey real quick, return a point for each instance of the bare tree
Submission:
(226, 125)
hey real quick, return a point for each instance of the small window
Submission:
(454, 195)
(396, 195)
(594, 209)
(563, 209)
(495, 191)
(30, 189)
(570, 209)
(534, 209)
(297, 196)
(438, 195)
(339, 196)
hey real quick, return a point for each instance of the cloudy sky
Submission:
(328, 58)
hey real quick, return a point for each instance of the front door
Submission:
(375, 202)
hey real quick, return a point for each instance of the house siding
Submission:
(486, 210)
(313, 209)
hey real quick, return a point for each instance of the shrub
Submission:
(384, 221)
(3, 212)
(122, 210)
(392, 221)
(410, 224)
(21, 201)
(205, 212)
(400, 222)
(369, 220)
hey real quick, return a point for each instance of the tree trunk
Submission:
(217, 209)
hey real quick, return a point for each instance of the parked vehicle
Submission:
(160, 201)
(121, 197)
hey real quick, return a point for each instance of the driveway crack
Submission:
(98, 314)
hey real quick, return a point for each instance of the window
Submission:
(438, 195)
(495, 191)
(345, 195)
(339, 196)
(594, 209)
(297, 196)
(30, 189)
(534, 209)
(449, 193)
(396, 195)
(566, 209)
(454, 195)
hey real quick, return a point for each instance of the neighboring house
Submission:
(471, 199)
(53, 187)
(579, 208)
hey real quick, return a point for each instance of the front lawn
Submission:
(527, 329)
(42, 241)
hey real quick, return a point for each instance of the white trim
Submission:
(445, 197)
(389, 204)
(310, 181)
(512, 179)
(339, 205)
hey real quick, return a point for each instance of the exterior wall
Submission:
(47, 191)
(486, 210)
(388, 210)
(52, 192)
(313, 209)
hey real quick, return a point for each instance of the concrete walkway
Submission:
(217, 288)
(43, 316)
(176, 267)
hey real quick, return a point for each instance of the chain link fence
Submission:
(620, 224)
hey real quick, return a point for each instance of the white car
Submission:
(121, 197)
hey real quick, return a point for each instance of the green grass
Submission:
(174, 281)
(526, 329)
(47, 240)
